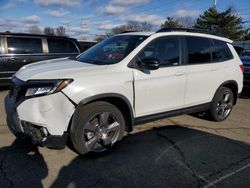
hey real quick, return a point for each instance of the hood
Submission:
(56, 69)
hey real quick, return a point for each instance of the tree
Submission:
(139, 26)
(186, 22)
(130, 26)
(60, 31)
(49, 31)
(247, 34)
(225, 23)
(35, 30)
(171, 23)
(100, 38)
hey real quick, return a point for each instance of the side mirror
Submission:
(151, 64)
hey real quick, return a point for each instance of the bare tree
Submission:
(100, 38)
(139, 26)
(130, 26)
(35, 30)
(49, 31)
(60, 31)
(187, 22)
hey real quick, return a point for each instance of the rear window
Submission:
(61, 46)
(21, 45)
(221, 51)
(199, 50)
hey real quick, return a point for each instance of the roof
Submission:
(33, 35)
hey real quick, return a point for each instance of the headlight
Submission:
(45, 87)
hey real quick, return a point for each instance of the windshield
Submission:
(111, 50)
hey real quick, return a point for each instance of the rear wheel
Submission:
(97, 127)
(222, 104)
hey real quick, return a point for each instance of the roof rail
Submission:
(186, 30)
(127, 32)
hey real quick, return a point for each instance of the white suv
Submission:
(125, 80)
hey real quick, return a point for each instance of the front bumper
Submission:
(44, 119)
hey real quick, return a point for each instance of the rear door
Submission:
(60, 47)
(201, 78)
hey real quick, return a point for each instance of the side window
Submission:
(21, 45)
(165, 49)
(199, 50)
(221, 52)
(61, 46)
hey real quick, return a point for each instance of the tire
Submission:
(96, 127)
(18, 135)
(222, 104)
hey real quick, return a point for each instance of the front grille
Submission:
(17, 89)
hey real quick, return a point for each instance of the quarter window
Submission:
(199, 50)
(166, 50)
(20, 45)
(61, 46)
(221, 52)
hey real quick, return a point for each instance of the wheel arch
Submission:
(118, 100)
(233, 86)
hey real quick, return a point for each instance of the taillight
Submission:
(242, 67)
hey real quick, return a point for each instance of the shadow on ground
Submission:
(21, 165)
(4, 88)
(171, 156)
(245, 93)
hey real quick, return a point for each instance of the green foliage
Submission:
(171, 23)
(224, 23)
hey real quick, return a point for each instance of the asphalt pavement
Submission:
(184, 151)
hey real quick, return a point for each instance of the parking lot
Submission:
(184, 151)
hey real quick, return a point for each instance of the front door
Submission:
(163, 89)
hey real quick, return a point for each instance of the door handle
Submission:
(179, 73)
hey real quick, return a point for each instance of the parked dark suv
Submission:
(17, 50)
(246, 62)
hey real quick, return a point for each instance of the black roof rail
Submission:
(186, 30)
(127, 32)
(34, 35)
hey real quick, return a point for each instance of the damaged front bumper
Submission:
(45, 119)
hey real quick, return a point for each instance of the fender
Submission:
(230, 82)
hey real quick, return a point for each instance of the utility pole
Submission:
(215, 3)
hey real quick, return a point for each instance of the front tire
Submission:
(222, 104)
(96, 127)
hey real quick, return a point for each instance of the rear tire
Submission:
(222, 104)
(96, 127)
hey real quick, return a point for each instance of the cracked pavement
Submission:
(183, 151)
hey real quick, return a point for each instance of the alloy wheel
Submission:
(101, 132)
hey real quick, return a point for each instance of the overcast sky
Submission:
(87, 18)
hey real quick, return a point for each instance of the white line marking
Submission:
(212, 184)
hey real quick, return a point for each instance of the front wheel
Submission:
(97, 127)
(222, 104)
